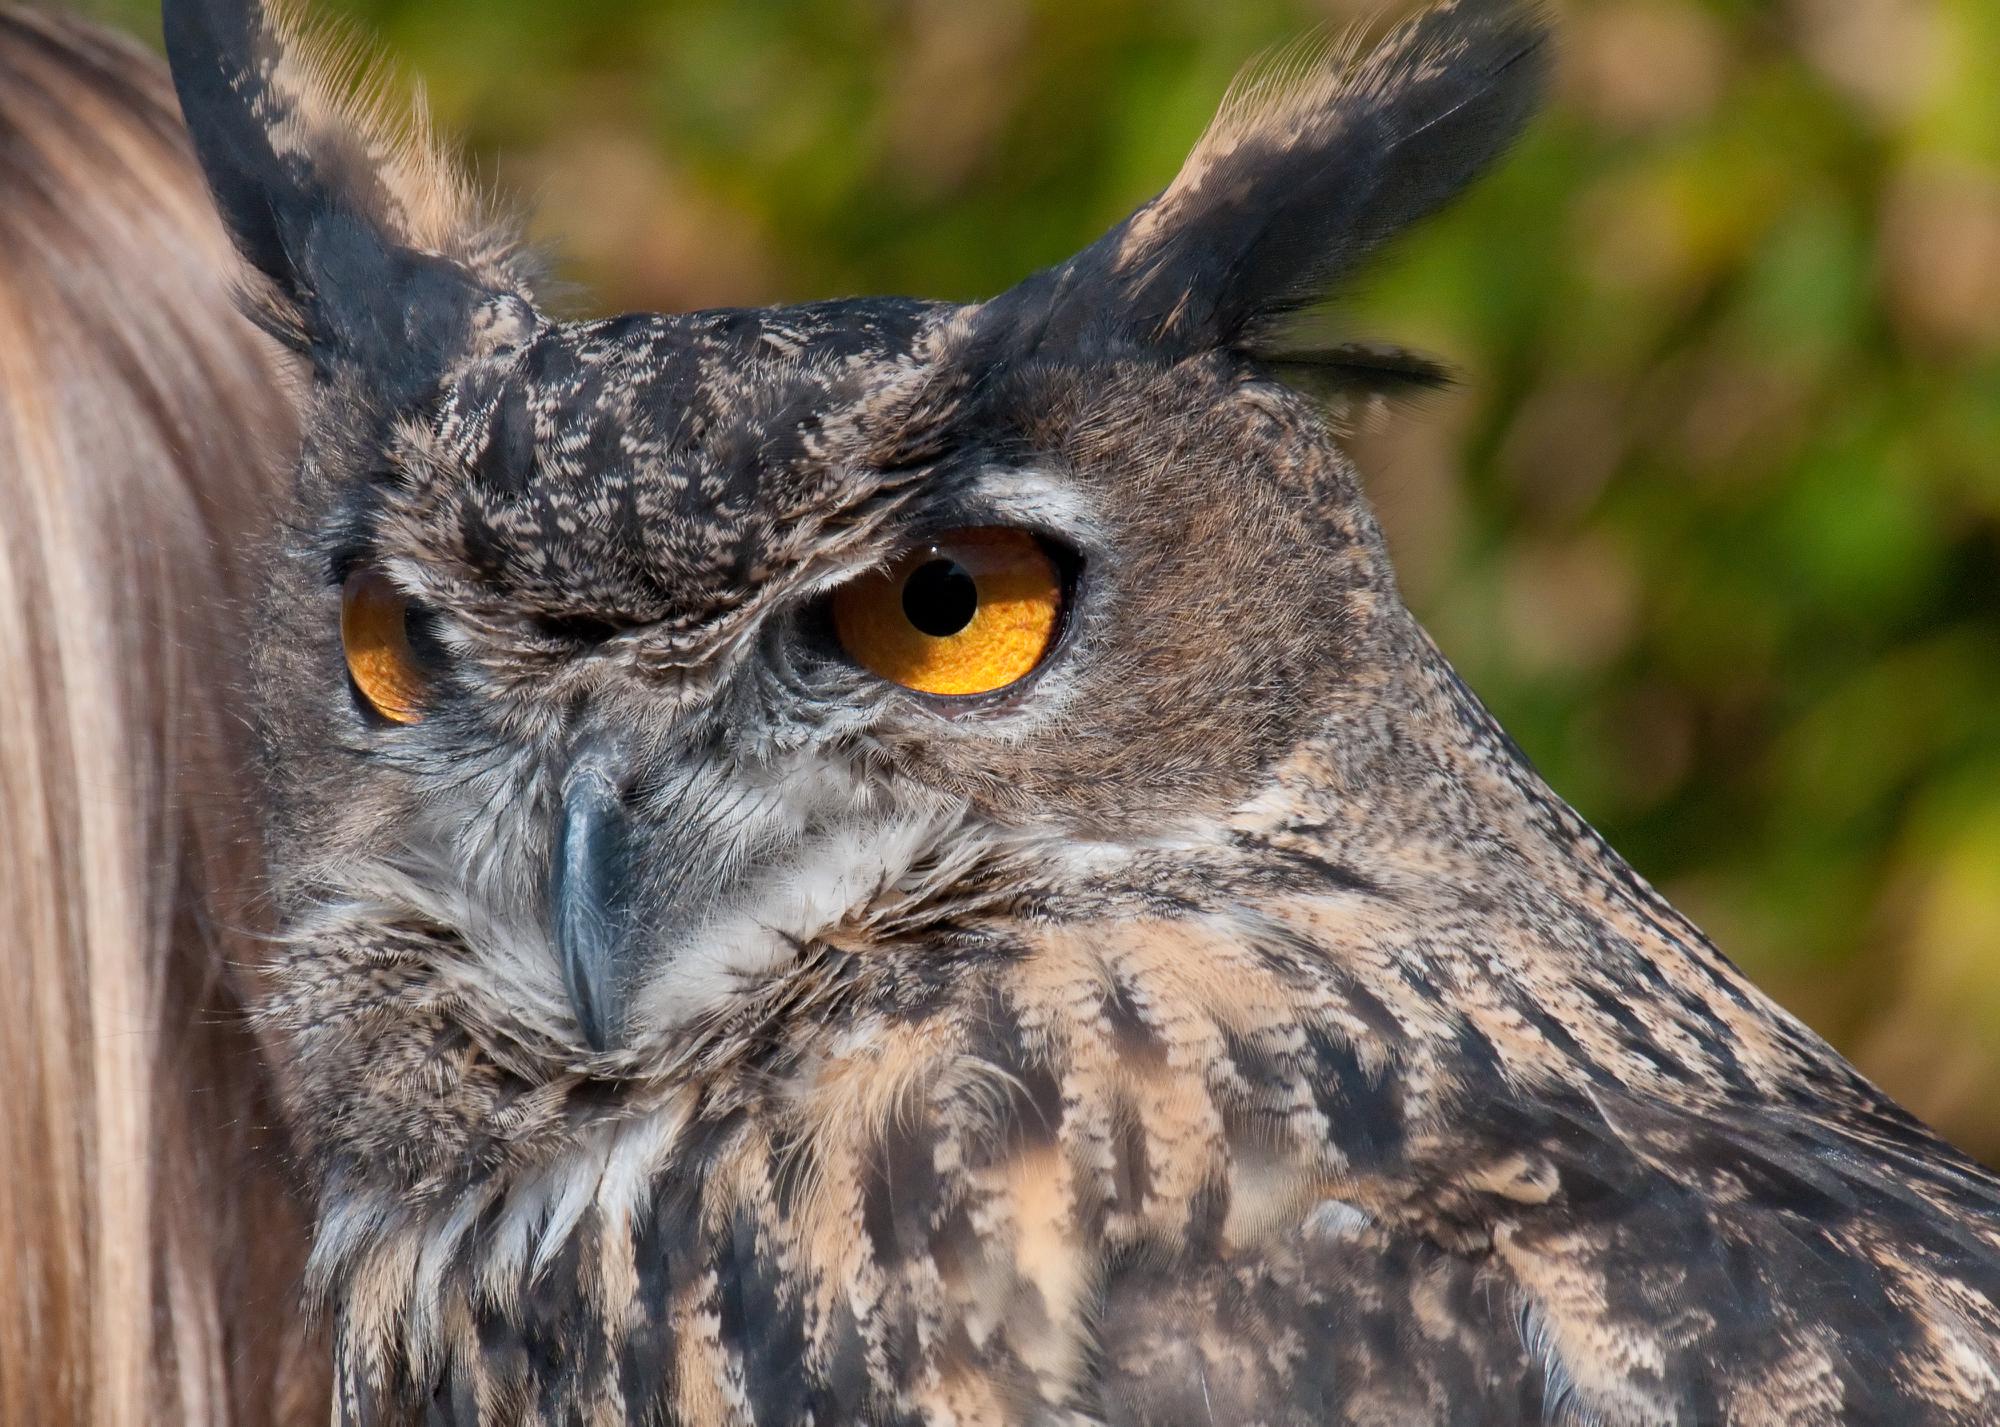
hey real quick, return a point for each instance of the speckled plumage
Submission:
(1225, 1026)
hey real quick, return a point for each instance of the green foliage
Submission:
(1714, 523)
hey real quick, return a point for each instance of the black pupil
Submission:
(940, 598)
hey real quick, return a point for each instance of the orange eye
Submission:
(973, 612)
(375, 632)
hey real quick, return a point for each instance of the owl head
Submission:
(624, 664)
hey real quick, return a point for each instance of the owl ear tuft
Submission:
(1316, 159)
(377, 252)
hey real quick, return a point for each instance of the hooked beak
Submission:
(641, 885)
(586, 899)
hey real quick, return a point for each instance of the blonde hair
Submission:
(149, 1248)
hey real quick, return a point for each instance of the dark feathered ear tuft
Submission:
(1315, 160)
(379, 254)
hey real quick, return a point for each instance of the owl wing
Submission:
(1688, 1265)
(1347, 1322)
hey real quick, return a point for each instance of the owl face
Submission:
(662, 647)
(629, 659)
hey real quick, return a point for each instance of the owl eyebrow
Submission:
(1027, 496)
(353, 546)
(350, 539)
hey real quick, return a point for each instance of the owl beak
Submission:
(592, 864)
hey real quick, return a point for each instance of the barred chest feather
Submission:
(1252, 1136)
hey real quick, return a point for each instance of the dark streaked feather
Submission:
(1345, 374)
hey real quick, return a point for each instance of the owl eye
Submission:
(972, 612)
(375, 633)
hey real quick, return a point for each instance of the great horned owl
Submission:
(891, 862)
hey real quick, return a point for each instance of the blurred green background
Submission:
(1714, 519)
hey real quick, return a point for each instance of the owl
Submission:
(891, 862)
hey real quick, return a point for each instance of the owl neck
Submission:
(1470, 878)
